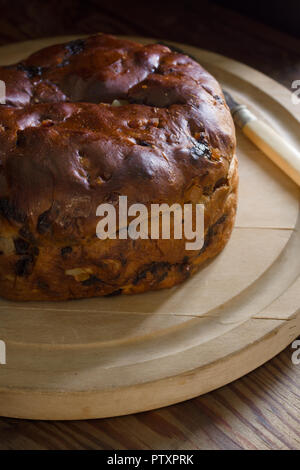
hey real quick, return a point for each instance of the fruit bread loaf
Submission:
(92, 120)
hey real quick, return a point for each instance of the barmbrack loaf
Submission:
(66, 148)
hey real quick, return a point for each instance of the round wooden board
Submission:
(112, 356)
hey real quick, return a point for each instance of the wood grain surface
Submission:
(259, 411)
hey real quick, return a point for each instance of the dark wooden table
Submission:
(259, 411)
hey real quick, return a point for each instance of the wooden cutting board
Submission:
(112, 356)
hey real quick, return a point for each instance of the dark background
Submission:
(214, 25)
(283, 15)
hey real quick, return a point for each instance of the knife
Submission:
(281, 152)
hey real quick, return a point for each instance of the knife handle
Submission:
(281, 152)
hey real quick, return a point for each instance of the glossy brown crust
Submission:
(64, 150)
